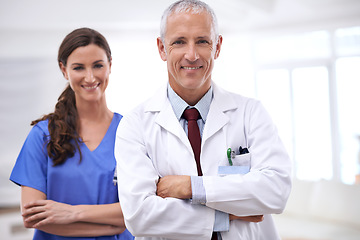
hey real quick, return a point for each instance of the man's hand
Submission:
(256, 218)
(174, 186)
(179, 186)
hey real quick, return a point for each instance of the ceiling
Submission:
(239, 15)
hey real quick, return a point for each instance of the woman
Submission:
(66, 167)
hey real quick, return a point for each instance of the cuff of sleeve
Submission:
(222, 222)
(198, 190)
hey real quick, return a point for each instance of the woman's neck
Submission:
(93, 111)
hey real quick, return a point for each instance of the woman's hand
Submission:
(67, 220)
(42, 212)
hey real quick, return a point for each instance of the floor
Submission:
(11, 228)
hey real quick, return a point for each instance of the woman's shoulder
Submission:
(117, 117)
(41, 128)
(43, 124)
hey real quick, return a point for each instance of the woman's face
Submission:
(87, 71)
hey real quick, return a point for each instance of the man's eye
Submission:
(203, 42)
(178, 42)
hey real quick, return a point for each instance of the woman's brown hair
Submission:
(63, 122)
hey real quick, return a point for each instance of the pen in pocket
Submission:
(230, 156)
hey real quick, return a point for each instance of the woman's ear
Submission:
(110, 63)
(63, 70)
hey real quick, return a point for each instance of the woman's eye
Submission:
(77, 68)
(98, 66)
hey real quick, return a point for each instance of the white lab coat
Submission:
(150, 143)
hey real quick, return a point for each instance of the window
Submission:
(347, 41)
(294, 47)
(348, 86)
(277, 101)
(312, 123)
(310, 84)
(298, 101)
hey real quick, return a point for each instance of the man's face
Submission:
(190, 49)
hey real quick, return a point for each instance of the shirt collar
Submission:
(179, 105)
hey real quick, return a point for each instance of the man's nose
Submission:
(191, 53)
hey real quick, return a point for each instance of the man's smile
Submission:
(191, 68)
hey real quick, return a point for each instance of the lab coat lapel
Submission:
(169, 122)
(217, 118)
(166, 117)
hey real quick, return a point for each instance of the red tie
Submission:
(192, 115)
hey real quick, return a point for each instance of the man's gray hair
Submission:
(193, 6)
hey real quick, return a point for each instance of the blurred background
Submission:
(301, 58)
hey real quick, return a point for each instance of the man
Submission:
(164, 192)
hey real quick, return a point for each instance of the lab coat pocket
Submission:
(242, 159)
(241, 165)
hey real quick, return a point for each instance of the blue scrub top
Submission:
(73, 182)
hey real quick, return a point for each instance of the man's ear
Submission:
(218, 46)
(63, 70)
(161, 48)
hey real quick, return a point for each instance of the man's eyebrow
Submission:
(178, 38)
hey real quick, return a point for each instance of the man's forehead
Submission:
(188, 15)
(184, 23)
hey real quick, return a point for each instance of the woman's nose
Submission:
(89, 77)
